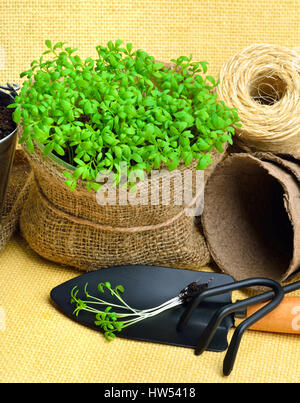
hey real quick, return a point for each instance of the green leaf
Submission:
(129, 47)
(55, 75)
(59, 45)
(149, 101)
(109, 139)
(157, 161)
(78, 123)
(202, 145)
(17, 115)
(203, 115)
(204, 162)
(82, 83)
(100, 287)
(211, 79)
(120, 288)
(204, 66)
(67, 174)
(136, 157)
(71, 184)
(119, 326)
(25, 73)
(219, 146)
(27, 132)
(10, 106)
(181, 126)
(78, 172)
(118, 152)
(66, 105)
(88, 108)
(187, 158)
(60, 120)
(109, 336)
(48, 44)
(59, 149)
(118, 43)
(95, 186)
(48, 148)
(126, 151)
(110, 45)
(30, 146)
(173, 164)
(159, 66)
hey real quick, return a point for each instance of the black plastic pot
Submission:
(7, 145)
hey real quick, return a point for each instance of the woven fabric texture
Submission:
(16, 194)
(38, 344)
(212, 30)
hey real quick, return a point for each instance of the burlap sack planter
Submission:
(17, 192)
(251, 217)
(71, 228)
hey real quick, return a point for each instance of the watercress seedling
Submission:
(113, 321)
(121, 106)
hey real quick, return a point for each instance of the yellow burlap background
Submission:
(38, 344)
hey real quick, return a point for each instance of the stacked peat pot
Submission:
(251, 218)
(70, 224)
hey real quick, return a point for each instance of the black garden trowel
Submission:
(209, 312)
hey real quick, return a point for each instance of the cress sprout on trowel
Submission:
(112, 322)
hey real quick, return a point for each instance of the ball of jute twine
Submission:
(263, 83)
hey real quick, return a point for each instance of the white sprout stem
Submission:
(171, 301)
(141, 314)
(124, 303)
(146, 315)
(118, 315)
(105, 303)
(102, 302)
(134, 316)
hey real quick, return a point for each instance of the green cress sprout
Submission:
(121, 107)
(110, 321)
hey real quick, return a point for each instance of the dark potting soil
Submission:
(7, 125)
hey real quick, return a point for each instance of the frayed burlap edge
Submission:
(17, 192)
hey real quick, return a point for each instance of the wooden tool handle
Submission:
(283, 319)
